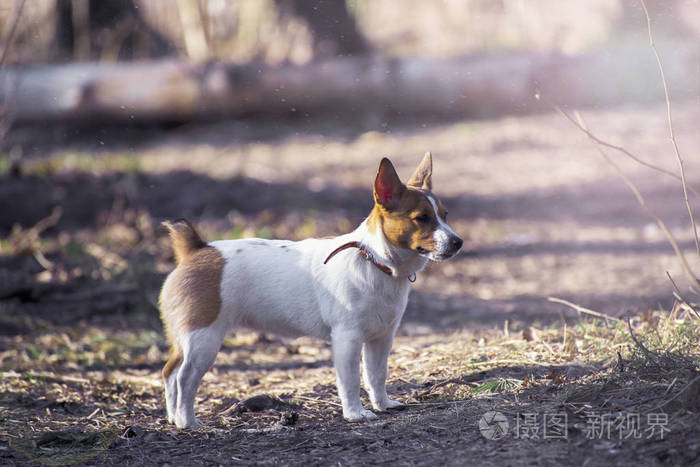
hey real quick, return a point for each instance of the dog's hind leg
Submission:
(170, 371)
(199, 353)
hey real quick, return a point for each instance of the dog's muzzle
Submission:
(446, 248)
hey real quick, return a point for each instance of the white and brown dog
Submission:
(351, 290)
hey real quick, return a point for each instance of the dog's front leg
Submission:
(347, 347)
(374, 358)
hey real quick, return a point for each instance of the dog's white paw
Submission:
(194, 423)
(197, 422)
(386, 404)
(359, 415)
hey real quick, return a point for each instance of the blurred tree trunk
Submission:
(333, 28)
(105, 30)
(193, 30)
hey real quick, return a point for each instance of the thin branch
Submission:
(583, 310)
(318, 401)
(419, 404)
(680, 297)
(650, 355)
(615, 147)
(692, 386)
(50, 221)
(670, 127)
(643, 204)
(43, 260)
(28, 240)
(45, 376)
(505, 362)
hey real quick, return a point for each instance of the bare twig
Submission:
(650, 355)
(50, 221)
(691, 387)
(670, 127)
(583, 310)
(28, 241)
(581, 126)
(680, 297)
(615, 147)
(46, 376)
(662, 225)
(670, 386)
(317, 401)
(418, 404)
(43, 260)
(505, 362)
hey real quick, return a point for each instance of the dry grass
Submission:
(81, 367)
(72, 393)
(88, 389)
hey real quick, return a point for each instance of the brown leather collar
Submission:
(368, 256)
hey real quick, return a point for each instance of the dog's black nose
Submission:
(456, 243)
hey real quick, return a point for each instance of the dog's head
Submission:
(410, 216)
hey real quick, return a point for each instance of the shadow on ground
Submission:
(88, 202)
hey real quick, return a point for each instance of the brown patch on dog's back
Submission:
(191, 295)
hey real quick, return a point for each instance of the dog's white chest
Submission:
(284, 287)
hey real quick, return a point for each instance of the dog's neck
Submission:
(402, 262)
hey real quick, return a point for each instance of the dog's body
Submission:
(317, 287)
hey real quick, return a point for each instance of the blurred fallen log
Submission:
(13, 283)
(479, 86)
(100, 293)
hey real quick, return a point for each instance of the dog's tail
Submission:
(185, 239)
(174, 361)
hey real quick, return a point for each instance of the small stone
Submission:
(289, 418)
(530, 334)
(257, 403)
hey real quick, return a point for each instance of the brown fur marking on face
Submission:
(388, 188)
(404, 226)
(191, 296)
(403, 212)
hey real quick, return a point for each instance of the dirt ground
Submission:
(543, 215)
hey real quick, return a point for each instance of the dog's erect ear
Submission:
(421, 178)
(387, 186)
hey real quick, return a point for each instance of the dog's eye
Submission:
(422, 218)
